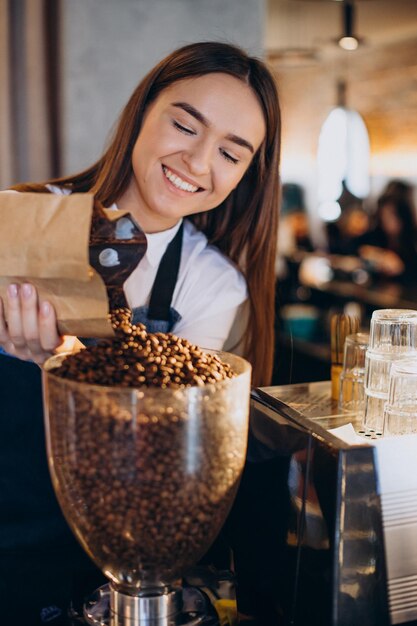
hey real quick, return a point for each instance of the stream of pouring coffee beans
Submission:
(145, 478)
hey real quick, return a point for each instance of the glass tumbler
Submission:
(400, 411)
(352, 378)
(393, 336)
(393, 330)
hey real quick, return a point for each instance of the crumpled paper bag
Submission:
(45, 240)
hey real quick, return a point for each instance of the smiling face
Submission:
(196, 142)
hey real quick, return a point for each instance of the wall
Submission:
(108, 46)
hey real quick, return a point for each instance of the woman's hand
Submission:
(31, 329)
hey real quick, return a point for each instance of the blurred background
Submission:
(346, 72)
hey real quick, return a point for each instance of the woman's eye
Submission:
(228, 157)
(183, 129)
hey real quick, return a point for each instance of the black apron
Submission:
(160, 316)
(42, 567)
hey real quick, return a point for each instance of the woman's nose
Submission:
(198, 158)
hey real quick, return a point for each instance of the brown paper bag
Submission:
(44, 240)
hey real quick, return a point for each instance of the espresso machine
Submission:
(145, 478)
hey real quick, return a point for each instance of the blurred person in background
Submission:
(294, 224)
(401, 190)
(344, 233)
(390, 247)
(294, 228)
(350, 229)
(294, 241)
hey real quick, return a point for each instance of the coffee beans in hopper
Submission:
(138, 358)
(146, 484)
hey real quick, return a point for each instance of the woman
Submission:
(390, 247)
(199, 139)
(234, 205)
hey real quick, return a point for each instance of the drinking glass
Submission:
(393, 336)
(393, 330)
(352, 377)
(400, 411)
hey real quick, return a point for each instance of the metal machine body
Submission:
(306, 526)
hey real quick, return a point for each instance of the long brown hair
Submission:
(244, 226)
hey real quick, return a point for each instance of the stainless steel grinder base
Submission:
(177, 607)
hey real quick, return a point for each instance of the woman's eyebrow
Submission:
(188, 108)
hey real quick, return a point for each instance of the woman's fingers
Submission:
(48, 332)
(31, 328)
(4, 335)
(38, 321)
(14, 317)
(5, 341)
(29, 312)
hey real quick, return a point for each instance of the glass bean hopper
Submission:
(145, 478)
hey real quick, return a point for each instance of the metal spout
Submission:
(151, 609)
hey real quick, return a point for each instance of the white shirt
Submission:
(209, 290)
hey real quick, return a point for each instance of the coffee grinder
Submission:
(145, 478)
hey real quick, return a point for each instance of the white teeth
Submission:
(178, 182)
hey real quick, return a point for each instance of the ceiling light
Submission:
(348, 43)
(343, 157)
(348, 40)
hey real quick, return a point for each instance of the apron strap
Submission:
(166, 279)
